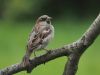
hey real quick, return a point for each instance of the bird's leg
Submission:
(34, 54)
(48, 51)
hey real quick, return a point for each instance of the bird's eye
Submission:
(43, 19)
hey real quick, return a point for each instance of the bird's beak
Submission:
(50, 18)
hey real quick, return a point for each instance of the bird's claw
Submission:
(47, 51)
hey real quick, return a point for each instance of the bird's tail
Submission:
(25, 60)
(26, 63)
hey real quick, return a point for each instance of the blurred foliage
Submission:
(29, 9)
(21, 9)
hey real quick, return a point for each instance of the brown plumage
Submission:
(39, 38)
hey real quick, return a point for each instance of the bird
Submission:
(42, 33)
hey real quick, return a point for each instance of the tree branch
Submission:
(64, 51)
(81, 45)
(73, 51)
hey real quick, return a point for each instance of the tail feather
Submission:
(26, 63)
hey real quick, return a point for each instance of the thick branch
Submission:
(73, 51)
(87, 39)
(36, 61)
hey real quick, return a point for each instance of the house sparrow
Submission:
(39, 38)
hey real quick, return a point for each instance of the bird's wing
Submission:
(36, 38)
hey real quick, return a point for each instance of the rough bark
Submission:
(72, 51)
(81, 45)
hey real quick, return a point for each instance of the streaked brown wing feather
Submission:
(38, 38)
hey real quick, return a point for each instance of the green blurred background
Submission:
(71, 18)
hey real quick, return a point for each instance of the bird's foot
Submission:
(47, 51)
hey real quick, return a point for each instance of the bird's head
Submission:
(44, 19)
